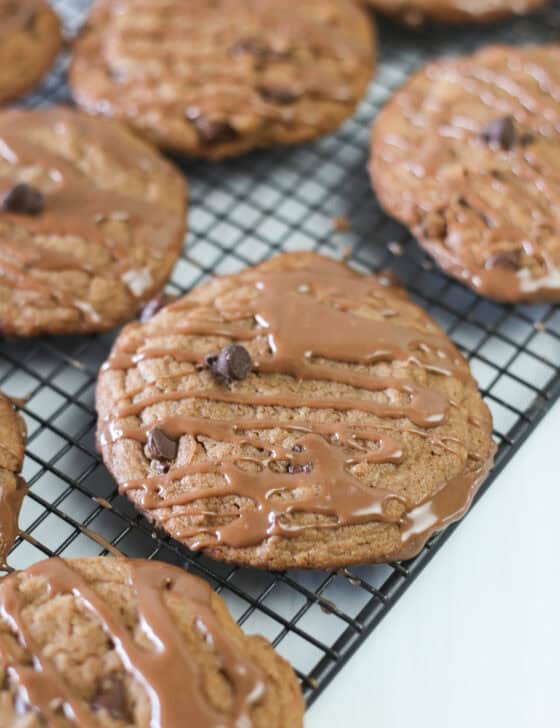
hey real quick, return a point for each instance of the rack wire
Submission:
(242, 212)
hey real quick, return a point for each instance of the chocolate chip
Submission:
(110, 696)
(505, 259)
(160, 447)
(434, 226)
(23, 200)
(297, 448)
(232, 362)
(210, 131)
(279, 94)
(526, 139)
(155, 305)
(500, 133)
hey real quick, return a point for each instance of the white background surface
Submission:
(475, 641)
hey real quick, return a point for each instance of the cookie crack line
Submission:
(168, 672)
(306, 317)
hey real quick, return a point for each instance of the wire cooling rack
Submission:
(241, 213)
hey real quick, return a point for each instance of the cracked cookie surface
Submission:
(465, 156)
(92, 221)
(115, 643)
(30, 39)
(217, 79)
(295, 415)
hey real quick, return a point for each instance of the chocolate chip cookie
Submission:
(297, 414)
(465, 156)
(12, 486)
(416, 12)
(30, 39)
(108, 642)
(92, 220)
(217, 79)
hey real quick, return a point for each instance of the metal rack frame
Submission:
(241, 212)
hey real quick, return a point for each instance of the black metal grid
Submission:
(242, 212)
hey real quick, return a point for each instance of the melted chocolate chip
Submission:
(210, 131)
(160, 447)
(233, 362)
(500, 133)
(297, 448)
(505, 259)
(22, 199)
(110, 696)
(279, 94)
(154, 306)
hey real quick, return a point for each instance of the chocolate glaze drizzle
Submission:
(169, 674)
(313, 327)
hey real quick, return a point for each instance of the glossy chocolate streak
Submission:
(313, 327)
(168, 672)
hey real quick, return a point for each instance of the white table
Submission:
(475, 641)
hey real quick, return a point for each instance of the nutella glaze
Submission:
(132, 233)
(168, 672)
(310, 318)
(487, 211)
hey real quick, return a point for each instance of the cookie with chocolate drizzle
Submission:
(465, 156)
(217, 79)
(356, 431)
(415, 13)
(30, 39)
(122, 642)
(92, 220)
(12, 487)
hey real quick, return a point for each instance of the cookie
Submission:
(12, 486)
(106, 642)
(30, 39)
(295, 415)
(92, 221)
(217, 79)
(415, 13)
(464, 155)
